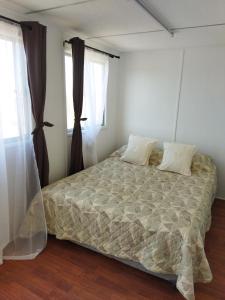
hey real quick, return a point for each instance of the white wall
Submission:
(152, 86)
(55, 110)
(202, 105)
(148, 93)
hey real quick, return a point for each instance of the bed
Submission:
(151, 219)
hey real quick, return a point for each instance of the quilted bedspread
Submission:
(158, 219)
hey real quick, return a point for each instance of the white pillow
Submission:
(177, 158)
(138, 150)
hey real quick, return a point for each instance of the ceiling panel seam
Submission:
(159, 30)
(59, 6)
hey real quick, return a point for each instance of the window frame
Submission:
(104, 124)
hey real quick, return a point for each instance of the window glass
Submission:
(8, 103)
(96, 75)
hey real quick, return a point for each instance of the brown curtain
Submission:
(34, 39)
(76, 159)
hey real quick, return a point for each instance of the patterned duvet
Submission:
(155, 218)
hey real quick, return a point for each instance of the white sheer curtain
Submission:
(22, 221)
(96, 68)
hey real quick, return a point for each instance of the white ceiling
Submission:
(117, 22)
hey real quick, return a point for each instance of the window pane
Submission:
(97, 79)
(69, 91)
(8, 111)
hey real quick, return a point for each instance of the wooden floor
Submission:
(66, 271)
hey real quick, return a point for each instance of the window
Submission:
(13, 90)
(95, 88)
(69, 91)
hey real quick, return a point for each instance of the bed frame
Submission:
(168, 277)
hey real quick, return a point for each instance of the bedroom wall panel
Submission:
(55, 110)
(148, 94)
(202, 105)
(156, 90)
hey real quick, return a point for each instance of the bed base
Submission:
(171, 278)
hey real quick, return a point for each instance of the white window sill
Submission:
(70, 131)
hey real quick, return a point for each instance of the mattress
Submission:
(154, 218)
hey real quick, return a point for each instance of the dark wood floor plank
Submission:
(65, 271)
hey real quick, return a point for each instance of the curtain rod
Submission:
(13, 21)
(97, 50)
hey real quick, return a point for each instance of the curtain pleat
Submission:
(76, 159)
(34, 39)
(23, 231)
(96, 68)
